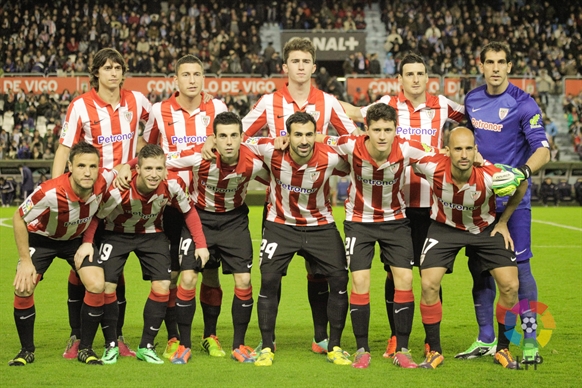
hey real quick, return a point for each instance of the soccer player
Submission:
(299, 220)
(219, 191)
(375, 213)
(107, 117)
(178, 123)
(272, 110)
(464, 215)
(508, 129)
(49, 224)
(133, 223)
(421, 117)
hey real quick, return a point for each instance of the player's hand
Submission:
(479, 161)
(25, 276)
(208, 149)
(203, 255)
(123, 180)
(207, 97)
(501, 228)
(506, 181)
(86, 249)
(281, 142)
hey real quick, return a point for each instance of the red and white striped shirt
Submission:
(471, 207)
(273, 109)
(175, 129)
(217, 188)
(299, 194)
(374, 194)
(112, 130)
(424, 124)
(130, 212)
(54, 210)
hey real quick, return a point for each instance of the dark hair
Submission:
(298, 44)
(150, 151)
(411, 58)
(497, 47)
(82, 148)
(381, 111)
(100, 60)
(227, 118)
(299, 118)
(189, 58)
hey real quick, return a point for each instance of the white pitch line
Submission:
(3, 224)
(558, 225)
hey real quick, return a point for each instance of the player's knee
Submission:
(188, 280)
(430, 288)
(174, 275)
(161, 286)
(242, 280)
(110, 287)
(509, 288)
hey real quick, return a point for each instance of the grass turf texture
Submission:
(556, 266)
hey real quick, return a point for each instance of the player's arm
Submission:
(60, 160)
(501, 226)
(25, 270)
(194, 225)
(86, 248)
(537, 160)
(353, 112)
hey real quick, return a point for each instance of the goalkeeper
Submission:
(463, 215)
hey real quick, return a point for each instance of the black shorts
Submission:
(173, 222)
(419, 223)
(228, 239)
(43, 250)
(443, 242)
(322, 247)
(152, 250)
(392, 236)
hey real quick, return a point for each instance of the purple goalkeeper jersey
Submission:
(508, 129)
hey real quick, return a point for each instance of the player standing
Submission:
(508, 129)
(299, 220)
(464, 216)
(421, 117)
(107, 117)
(133, 223)
(272, 111)
(219, 191)
(178, 123)
(49, 224)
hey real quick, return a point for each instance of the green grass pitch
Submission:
(557, 266)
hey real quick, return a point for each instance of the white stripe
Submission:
(559, 225)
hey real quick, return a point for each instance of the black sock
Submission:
(171, 321)
(360, 315)
(389, 298)
(24, 319)
(185, 310)
(502, 340)
(403, 315)
(122, 304)
(109, 322)
(210, 315)
(433, 336)
(318, 294)
(268, 307)
(337, 307)
(76, 293)
(90, 319)
(153, 316)
(241, 316)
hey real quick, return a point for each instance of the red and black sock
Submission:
(431, 319)
(210, 301)
(91, 317)
(185, 309)
(403, 315)
(153, 315)
(24, 317)
(242, 307)
(360, 314)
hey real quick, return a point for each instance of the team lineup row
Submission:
(463, 200)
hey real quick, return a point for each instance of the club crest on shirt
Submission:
(128, 116)
(240, 179)
(314, 175)
(315, 114)
(394, 168)
(475, 195)
(503, 113)
(429, 113)
(205, 120)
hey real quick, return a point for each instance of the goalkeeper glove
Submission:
(506, 181)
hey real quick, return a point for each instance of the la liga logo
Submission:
(537, 318)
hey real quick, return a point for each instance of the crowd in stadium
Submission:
(36, 37)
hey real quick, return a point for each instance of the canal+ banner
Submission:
(330, 45)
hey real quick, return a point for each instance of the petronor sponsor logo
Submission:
(457, 206)
(295, 189)
(145, 216)
(376, 182)
(415, 131)
(78, 222)
(480, 124)
(187, 139)
(219, 189)
(114, 138)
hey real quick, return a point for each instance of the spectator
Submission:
(564, 190)
(375, 67)
(8, 188)
(578, 190)
(545, 85)
(548, 191)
